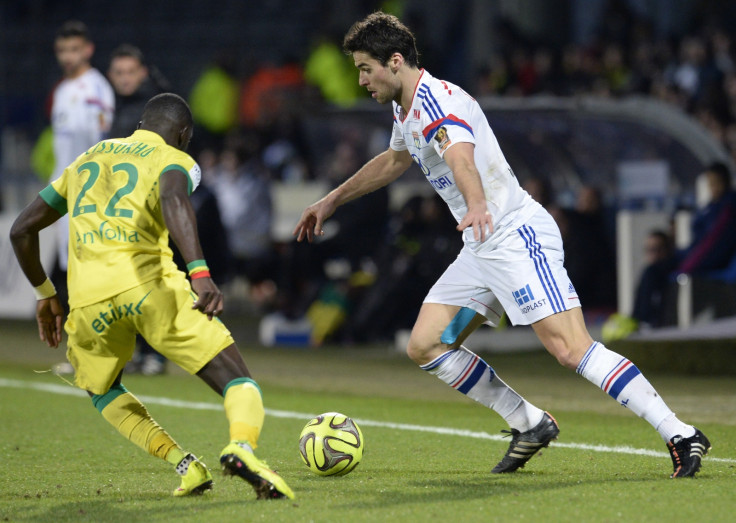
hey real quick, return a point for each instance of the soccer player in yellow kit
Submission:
(124, 197)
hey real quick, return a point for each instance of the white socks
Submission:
(623, 381)
(467, 373)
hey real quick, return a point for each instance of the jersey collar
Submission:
(414, 94)
(147, 136)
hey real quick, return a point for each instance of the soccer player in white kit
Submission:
(512, 258)
(82, 108)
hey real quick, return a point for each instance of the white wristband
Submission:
(45, 290)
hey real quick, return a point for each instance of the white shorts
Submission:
(524, 275)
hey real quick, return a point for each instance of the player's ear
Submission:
(185, 135)
(395, 62)
(89, 50)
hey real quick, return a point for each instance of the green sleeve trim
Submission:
(54, 199)
(177, 167)
(100, 401)
(241, 381)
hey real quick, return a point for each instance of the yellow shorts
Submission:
(101, 337)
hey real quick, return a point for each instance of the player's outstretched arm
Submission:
(24, 237)
(182, 224)
(378, 172)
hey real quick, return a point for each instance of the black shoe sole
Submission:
(232, 465)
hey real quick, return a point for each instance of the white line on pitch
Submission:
(199, 405)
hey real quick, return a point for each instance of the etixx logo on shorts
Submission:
(114, 313)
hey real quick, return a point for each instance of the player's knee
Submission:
(566, 356)
(419, 350)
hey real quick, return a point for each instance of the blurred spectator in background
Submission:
(652, 286)
(714, 226)
(243, 190)
(332, 72)
(540, 189)
(270, 93)
(284, 156)
(214, 101)
(421, 244)
(355, 233)
(134, 83)
(589, 251)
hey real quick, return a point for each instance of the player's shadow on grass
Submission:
(481, 487)
(127, 509)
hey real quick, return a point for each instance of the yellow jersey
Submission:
(117, 235)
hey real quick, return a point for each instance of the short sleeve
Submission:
(449, 117)
(194, 174)
(446, 131)
(397, 138)
(54, 194)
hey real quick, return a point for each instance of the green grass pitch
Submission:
(62, 462)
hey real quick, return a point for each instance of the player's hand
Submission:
(50, 316)
(210, 300)
(479, 219)
(310, 224)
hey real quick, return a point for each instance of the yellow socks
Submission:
(129, 416)
(244, 410)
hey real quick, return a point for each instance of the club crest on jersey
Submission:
(417, 143)
(442, 138)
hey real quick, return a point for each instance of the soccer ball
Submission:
(331, 444)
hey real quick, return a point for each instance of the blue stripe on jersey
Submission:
(430, 104)
(430, 111)
(538, 264)
(435, 126)
(474, 377)
(623, 380)
(434, 100)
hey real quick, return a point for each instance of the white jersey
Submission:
(441, 115)
(81, 115)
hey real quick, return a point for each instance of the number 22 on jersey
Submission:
(111, 209)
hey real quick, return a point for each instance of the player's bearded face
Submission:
(376, 78)
(73, 54)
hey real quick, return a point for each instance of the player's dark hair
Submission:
(721, 171)
(166, 109)
(72, 28)
(128, 51)
(381, 35)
